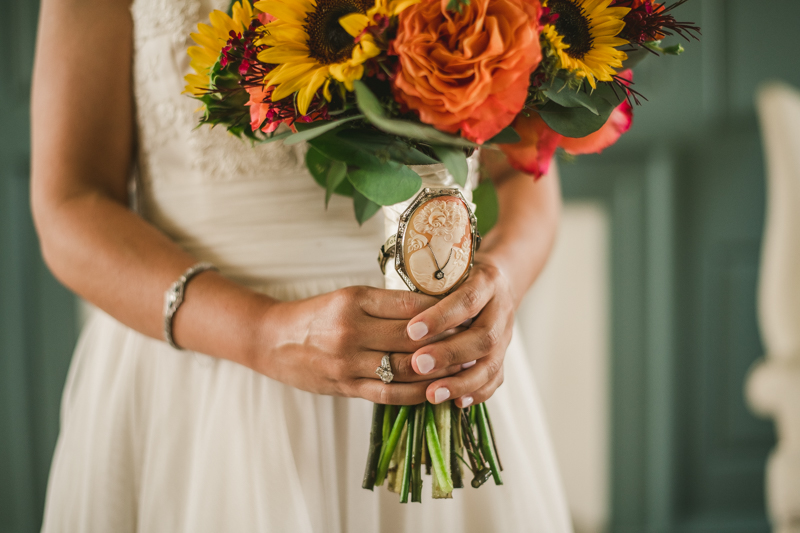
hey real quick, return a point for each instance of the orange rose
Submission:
(468, 71)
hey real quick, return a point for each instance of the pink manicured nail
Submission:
(467, 323)
(441, 395)
(468, 365)
(417, 331)
(425, 363)
(466, 401)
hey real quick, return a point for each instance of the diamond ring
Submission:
(385, 370)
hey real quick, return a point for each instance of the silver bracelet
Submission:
(173, 298)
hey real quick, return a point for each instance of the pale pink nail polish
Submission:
(417, 331)
(466, 401)
(467, 323)
(425, 363)
(441, 394)
(468, 365)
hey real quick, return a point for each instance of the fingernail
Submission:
(467, 323)
(466, 401)
(425, 363)
(417, 331)
(441, 395)
(468, 365)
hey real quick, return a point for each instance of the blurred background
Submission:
(641, 330)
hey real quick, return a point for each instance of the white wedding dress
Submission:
(157, 440)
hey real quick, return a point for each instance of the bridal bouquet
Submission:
(377, 86)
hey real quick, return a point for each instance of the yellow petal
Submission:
(242, 12)
(326, 90)
(354, 23)
(306, 95)
(286, 74)
(282, 11)
(298, 81)
(286, 33)
(397, 7)
(283, 54)
(205, 41)
(222, 21)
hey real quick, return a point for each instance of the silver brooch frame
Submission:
(395, 244)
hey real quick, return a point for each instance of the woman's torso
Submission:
(254, 211)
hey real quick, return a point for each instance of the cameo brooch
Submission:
(436, 240)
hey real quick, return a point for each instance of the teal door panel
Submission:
(37, 315)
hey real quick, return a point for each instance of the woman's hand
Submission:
(486, 301)
(333, 343)
(511, 257)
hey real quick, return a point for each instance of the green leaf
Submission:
(487, 207)
(385, 146)
(337, 171)
(364, 207)
(374, 112)
(275, 137)
(455, 160)
(561, 93)
(579, 122)
(319, 165)
(508, 136)
(384, 183)
(315, 129)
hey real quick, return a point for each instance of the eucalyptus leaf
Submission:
(455, 160)
(275, 137)
(561, 93)
(385, 183)
(315, 129)
(364, 207)
(508, 136)
(385, 146)
(579, 122)
(487, 207)
(374, 112)
(337, 171)
(319, 166)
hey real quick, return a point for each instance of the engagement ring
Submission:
(385, 370)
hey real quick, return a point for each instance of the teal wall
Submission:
(685, 189)
(37, 322)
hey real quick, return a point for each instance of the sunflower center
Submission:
(327, 41)
(573, 26)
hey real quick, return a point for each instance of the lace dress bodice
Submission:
(253, 210)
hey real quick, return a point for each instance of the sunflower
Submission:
(211, 40)
(585, 37)
(313, 42)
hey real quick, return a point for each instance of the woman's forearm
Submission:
(116, 260)
(521, 241)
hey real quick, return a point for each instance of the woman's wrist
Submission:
(222, 319)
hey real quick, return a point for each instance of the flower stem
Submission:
(435, 452)
(405, 484)
(486, 444)
(456, 447)
(494, 440)
(390, 444)
(441, 414)
(480, 473)
(375, 442)
(418, 444)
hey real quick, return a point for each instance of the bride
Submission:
(259, 421)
